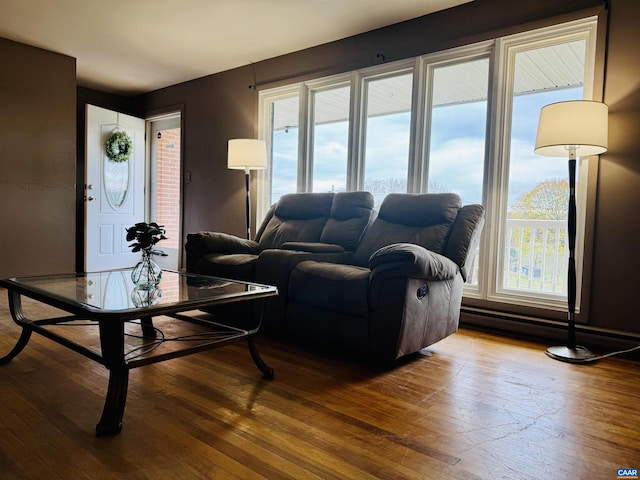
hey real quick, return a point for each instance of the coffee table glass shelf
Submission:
(114, 321)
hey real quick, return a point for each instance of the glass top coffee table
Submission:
(119, 311)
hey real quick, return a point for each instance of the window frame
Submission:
(504, 56)
(263, 177)
(501, 53)
(311, 88)
(363, 78)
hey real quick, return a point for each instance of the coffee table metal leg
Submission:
(148, 330)
(20, 344)
(112, 344)
(15, 306)
(266, 370)
(111, 421)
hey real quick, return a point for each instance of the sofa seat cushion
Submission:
(239, 266)
(340, 288)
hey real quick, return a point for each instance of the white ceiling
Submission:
(135, 46)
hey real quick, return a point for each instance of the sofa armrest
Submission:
(410, 260)
(202, 243)
(393, 268)
(313, 247)
(465, 236)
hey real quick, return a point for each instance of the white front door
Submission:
(114, 190)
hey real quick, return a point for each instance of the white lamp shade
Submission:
(581, 123)
(247, 154)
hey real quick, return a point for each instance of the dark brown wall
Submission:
(615, 293)
(37, 160)
(216, 108)
(220, 107)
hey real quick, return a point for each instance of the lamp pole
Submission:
(247, 154)
(571, 353)
(571, 126)
(571, 274)
(248, 206)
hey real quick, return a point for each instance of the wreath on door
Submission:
(118, 146)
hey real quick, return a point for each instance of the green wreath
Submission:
(118, 147)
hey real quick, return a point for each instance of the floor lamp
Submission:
(572, 128)
(247, 154)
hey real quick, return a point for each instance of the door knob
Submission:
(89, 198)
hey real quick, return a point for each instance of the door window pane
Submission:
(387, 135)
(116, 182)
(330, 150)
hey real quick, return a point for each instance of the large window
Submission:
(457, 104)
(329, 111)
(535, 250)
(458, 128)
(462, 120)
(283, 125)
(386, 133)
(529, 258)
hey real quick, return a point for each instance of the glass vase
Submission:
(146, 274)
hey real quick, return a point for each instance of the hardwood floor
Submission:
(475, 406)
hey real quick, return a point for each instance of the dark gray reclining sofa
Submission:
(383, 285)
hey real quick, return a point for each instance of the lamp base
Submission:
(579, 354)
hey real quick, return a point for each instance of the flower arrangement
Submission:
(146, 235)
(118, 146)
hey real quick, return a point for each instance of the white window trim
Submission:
(501, 53)
(505, 51)
(429, 63)
(263, 177)
(364, 77)
(317, 86)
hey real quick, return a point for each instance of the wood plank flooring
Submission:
(475, 406)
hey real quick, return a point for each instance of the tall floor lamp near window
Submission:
(247, 154)
(572, 128)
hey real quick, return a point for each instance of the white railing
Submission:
(536, 256)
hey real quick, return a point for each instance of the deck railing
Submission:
(536, 256)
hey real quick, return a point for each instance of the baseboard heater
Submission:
(543, 330)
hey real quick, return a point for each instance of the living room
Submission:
(43, 163)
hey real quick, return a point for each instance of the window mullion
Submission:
(355, 162)
(418, 149)
(305, 140)
(498, 167)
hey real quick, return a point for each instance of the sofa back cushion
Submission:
(351, 212)
(297, 217)
(421, 219)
